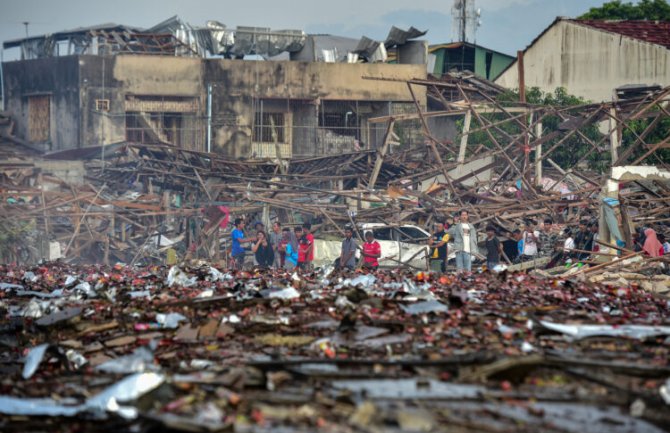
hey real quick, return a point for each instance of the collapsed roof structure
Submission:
(176, 37)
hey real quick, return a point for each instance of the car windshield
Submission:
(383, 233)
(411, 234)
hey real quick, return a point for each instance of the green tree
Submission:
(577, 147)
(566, 155)
(658, 10)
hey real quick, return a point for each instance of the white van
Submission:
(398, 244)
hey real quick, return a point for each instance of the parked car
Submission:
(398, 243)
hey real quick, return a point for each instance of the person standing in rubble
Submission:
(237, 251)
(666, 244)
(438, 244)
(306, 248)
(652, 247)
(275, 239)
(547, 239)
(583, 240)
(530, 240)
(372, 251)
(464, 236)
(263, 250)
(511, 246)
(290, 249)
(493, 248)
(348, 251)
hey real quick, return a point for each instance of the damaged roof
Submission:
(64, 34)
(654, 32)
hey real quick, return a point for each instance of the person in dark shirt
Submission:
(493, 248)
(511, 246)
(262, 249)
(583, 240)
(438, 245)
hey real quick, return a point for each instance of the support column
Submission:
(538, 155)
(614, 135)
(464, 136)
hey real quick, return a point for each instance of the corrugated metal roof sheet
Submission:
(654, 32)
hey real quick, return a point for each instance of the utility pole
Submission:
(464, 15)
(25, 23)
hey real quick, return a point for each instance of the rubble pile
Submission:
(201, 349)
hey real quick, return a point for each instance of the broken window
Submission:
(383, 233)
(489, 61)
(269, 128)
(460, 59)
(411, 234)
(153, 128)
(166, 120)
(340, 117)
(102, 105)
(39, 118)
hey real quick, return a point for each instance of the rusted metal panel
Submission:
(39, 118)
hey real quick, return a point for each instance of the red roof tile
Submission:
(654, 32)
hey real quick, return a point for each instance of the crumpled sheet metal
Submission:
(141, 360)
(177, 277)
(425, 307)
(288, 293)
(128, 389)
(170, 320)
(638, 332)
(34, 359)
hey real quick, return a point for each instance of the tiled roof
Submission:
(654, 32)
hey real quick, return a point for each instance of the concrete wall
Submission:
(589, 63)
(137, 75)
(56, 77)
(239, 85)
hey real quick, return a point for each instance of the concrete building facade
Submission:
(592, 58)
(238, 108)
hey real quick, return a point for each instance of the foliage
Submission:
(576, 148)
(644, 10)
(659, 133)
(566, 155)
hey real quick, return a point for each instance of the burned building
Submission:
(197, 89)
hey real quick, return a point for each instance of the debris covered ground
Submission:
(90, 348)
(153, 347)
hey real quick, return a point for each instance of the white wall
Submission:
(589, 63)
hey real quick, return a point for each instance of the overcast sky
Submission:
(507, 25)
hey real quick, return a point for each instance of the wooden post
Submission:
(538, 155)
(522, 77)
(380, 156)
(464, 136)
(614, 136)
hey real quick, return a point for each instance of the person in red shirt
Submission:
(306, 248)
(371, 251)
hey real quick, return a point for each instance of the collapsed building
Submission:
(191, 88)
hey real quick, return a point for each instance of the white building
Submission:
(590, 58)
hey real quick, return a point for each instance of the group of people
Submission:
(284, 248)
(464, 240)
(280, 249)
(371, 251)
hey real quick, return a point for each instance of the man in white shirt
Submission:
(465, 242)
